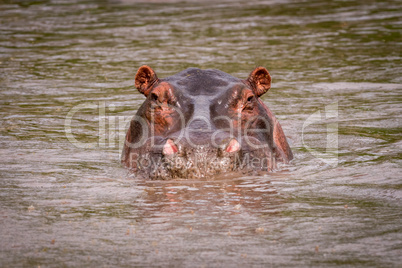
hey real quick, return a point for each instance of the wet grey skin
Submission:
(201, 141)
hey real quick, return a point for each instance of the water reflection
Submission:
(208, 197)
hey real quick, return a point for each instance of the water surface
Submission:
(338, 203)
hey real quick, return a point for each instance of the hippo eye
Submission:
(250, 99)
(249, 102)
(154, 97)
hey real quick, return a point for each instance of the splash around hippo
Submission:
(199, 123)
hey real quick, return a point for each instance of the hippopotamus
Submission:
(200, 123)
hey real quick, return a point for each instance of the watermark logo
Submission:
(112, 128)
(330, 156)
(109, 130)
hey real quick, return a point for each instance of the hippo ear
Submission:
(260, 80)
(144, 79)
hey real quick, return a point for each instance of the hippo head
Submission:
(199, 123)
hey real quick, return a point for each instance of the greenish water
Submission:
(339, 203)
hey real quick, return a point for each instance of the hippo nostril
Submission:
(233, 146)
(169, 148)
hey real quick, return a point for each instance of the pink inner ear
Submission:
(233, 146)
(169, 148)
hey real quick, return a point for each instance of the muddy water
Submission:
(66, 86)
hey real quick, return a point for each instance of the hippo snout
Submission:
(170, 148)
(182, 160)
